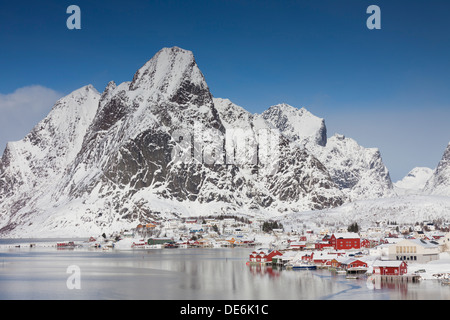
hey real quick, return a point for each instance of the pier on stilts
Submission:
(411, 278)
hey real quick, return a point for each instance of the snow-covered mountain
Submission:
(161, 146)
(297, 170)
(151, 147)
(439, 182)
(406, 209)
(299, 125)
(414, 182)
(423, 195)
(29, 168)
(359, 172)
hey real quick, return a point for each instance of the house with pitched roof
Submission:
(389, 267)
(414, 250)
(345, 241)
(348, 263)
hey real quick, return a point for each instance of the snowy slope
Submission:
(299, 125)
(30, 168)
(439, 182)
(414, 182)
(359, 171)
(407, 209)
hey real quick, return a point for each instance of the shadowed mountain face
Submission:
(439, 182)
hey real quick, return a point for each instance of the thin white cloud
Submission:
(22, 109)
(34, 99)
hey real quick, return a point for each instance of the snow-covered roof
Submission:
(422, 243)
(387, 263)
(346, 235)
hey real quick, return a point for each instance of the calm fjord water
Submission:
(181, 274)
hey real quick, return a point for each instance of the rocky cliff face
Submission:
(157, 146)
(439, 182)
(287, 173)
(358, 172)
(29, 168)
(299, 125)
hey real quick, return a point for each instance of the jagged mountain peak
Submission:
(169, 90)
(117, 165)
(446, 156)
(30, 167)
(69, 115)
(285, 107)
(358, 170)
(232, 115)
(76, 99)
(439, 183)
(84, 90)
(349, 143)
(297, 124)
(172, 74)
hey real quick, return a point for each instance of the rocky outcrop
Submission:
(439, 183)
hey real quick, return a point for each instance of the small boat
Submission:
(302, 266)
(139, 244)
(170, 245)
(66, 245)
(153, 246)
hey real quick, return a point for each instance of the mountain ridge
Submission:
(439, 182)
(162, 146)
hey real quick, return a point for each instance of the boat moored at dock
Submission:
(300, 265)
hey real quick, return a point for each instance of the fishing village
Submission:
(386, 252)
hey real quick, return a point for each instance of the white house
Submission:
(414, 250)
(381, 250)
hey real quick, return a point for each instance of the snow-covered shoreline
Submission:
(433, 270)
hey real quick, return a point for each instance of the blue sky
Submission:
(385, 88)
